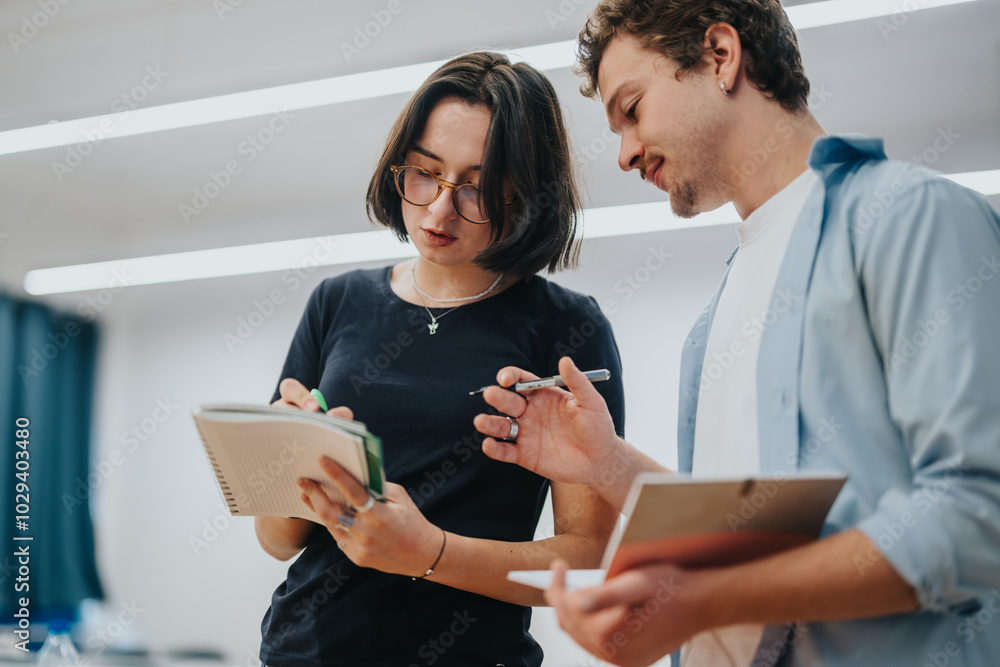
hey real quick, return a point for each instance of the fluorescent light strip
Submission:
(235, 106)
(544, 56)
(321, 251)
(366, 85)
(219, 262)
(832, 12)
(364, 247)
(645, 218)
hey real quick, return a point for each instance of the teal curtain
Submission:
(47, 366)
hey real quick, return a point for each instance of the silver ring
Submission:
(513, 428)
(341, 544)
(368, 504)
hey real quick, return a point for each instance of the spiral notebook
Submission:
(704, 522)
(258, 453)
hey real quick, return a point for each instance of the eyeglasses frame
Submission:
(396, 169)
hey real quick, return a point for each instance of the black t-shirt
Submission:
(366, 348)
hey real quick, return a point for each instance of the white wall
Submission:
(165, 343)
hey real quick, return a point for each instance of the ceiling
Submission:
(939, 70)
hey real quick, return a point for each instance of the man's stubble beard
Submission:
(694, 192)
(683, 200)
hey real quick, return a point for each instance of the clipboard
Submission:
(701, 522)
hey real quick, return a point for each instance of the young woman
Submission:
(477, 175)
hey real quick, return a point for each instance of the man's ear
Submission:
(723, 54)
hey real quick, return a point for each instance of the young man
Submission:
(858, 319)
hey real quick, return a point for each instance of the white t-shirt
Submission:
(726, 441)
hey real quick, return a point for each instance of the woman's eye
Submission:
(631, 110)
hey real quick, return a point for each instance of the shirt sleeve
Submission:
(931, 278)
(303, 359)
(584, 335)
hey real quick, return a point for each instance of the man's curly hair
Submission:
(676, 28)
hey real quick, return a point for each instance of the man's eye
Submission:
(631, 110)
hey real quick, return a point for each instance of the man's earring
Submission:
(722, 84)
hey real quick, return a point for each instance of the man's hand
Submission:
(567, 436)
(633, 619)
(647, 612)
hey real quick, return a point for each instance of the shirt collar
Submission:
(844, 148)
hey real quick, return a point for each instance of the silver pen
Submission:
(554, 381)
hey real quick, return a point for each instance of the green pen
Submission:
(318, 395)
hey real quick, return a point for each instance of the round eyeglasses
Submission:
(420, 187)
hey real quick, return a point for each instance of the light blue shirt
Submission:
(880, 357)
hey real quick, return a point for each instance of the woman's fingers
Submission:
(341, 412)
(295, 394)
(315, 497)
(351, 488)
(319, 501)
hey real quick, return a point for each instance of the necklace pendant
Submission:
(433, 327)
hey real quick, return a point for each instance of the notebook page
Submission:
(264, 459)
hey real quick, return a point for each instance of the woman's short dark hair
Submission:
(676, 28)
(526, 147)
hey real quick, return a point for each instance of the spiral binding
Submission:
(226, 491)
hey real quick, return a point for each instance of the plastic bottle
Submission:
(58, 649)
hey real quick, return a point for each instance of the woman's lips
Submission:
(439, 239)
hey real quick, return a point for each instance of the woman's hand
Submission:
(567, 436)
(281, 537)
(392, 536)
(295, 395)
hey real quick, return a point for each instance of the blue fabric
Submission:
(885, 367)
(47, 375)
